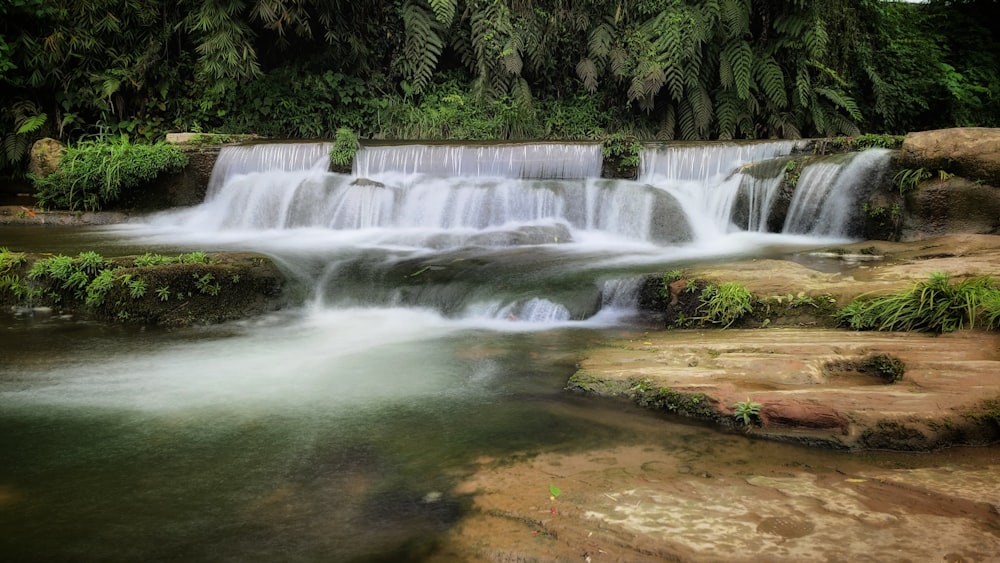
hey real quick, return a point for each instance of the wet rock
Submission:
(367, 183)
(791, 413)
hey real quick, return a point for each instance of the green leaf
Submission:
(554, 491)
(32, 124)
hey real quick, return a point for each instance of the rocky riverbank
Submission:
(814, 384)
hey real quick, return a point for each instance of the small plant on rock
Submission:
(726, 303)
(747, 413)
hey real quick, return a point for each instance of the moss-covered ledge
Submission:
(193, 288)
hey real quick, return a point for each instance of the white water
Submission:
(707, 179)
(831, 194)
(536, 160)
(478, 233)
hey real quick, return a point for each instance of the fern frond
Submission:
(521, 94)
(618, 62)
(771, 80)
(803, 87)
(842, 101)
(511, 55)
(736, 18)
(600, 41)
(728, 108)
(587, 71)
(844, 126)
(423, 45)
(815, 38)
(701, 107)
(819, 117)
(783, 124)
(739, 58)
(792, 24)
(726, 79)
(668, 126)
(30, 124)
(686, 121)
(444, 10)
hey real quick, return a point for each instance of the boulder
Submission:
(972, 152)
(953, 206)
(45, 155)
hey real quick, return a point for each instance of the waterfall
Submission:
(246, 159)
(521, 160)
(512, 233)
(706, 180)
(290, 188)
(828, 195)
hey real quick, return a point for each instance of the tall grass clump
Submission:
(726, 303)
(936, 305)
(94, 174)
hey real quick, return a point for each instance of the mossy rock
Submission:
(227, 286)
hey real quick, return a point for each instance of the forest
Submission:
(492, 69)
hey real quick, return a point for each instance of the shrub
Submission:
(345, 146)
(935, 305)
(725, 303)
(93, 174)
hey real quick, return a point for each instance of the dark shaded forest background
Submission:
(493, 69)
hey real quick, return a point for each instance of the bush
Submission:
(93, 174)
(726, 303)
(345, 146)
(935, 305)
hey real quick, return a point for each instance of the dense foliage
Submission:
(95, 173)
(465, 69)
(936, 305)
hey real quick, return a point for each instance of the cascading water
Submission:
(536, 160)
(706, 180)
(284, 157)
(827, 202)
(517, 232)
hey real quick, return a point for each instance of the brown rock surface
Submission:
(956, 205)
(973, 152)
(45, 155)
(684, 493)
(798, 375)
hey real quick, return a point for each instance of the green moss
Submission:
(693, 405)
(583, 381)
(888, 368)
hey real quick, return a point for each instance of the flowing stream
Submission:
(444, 295)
